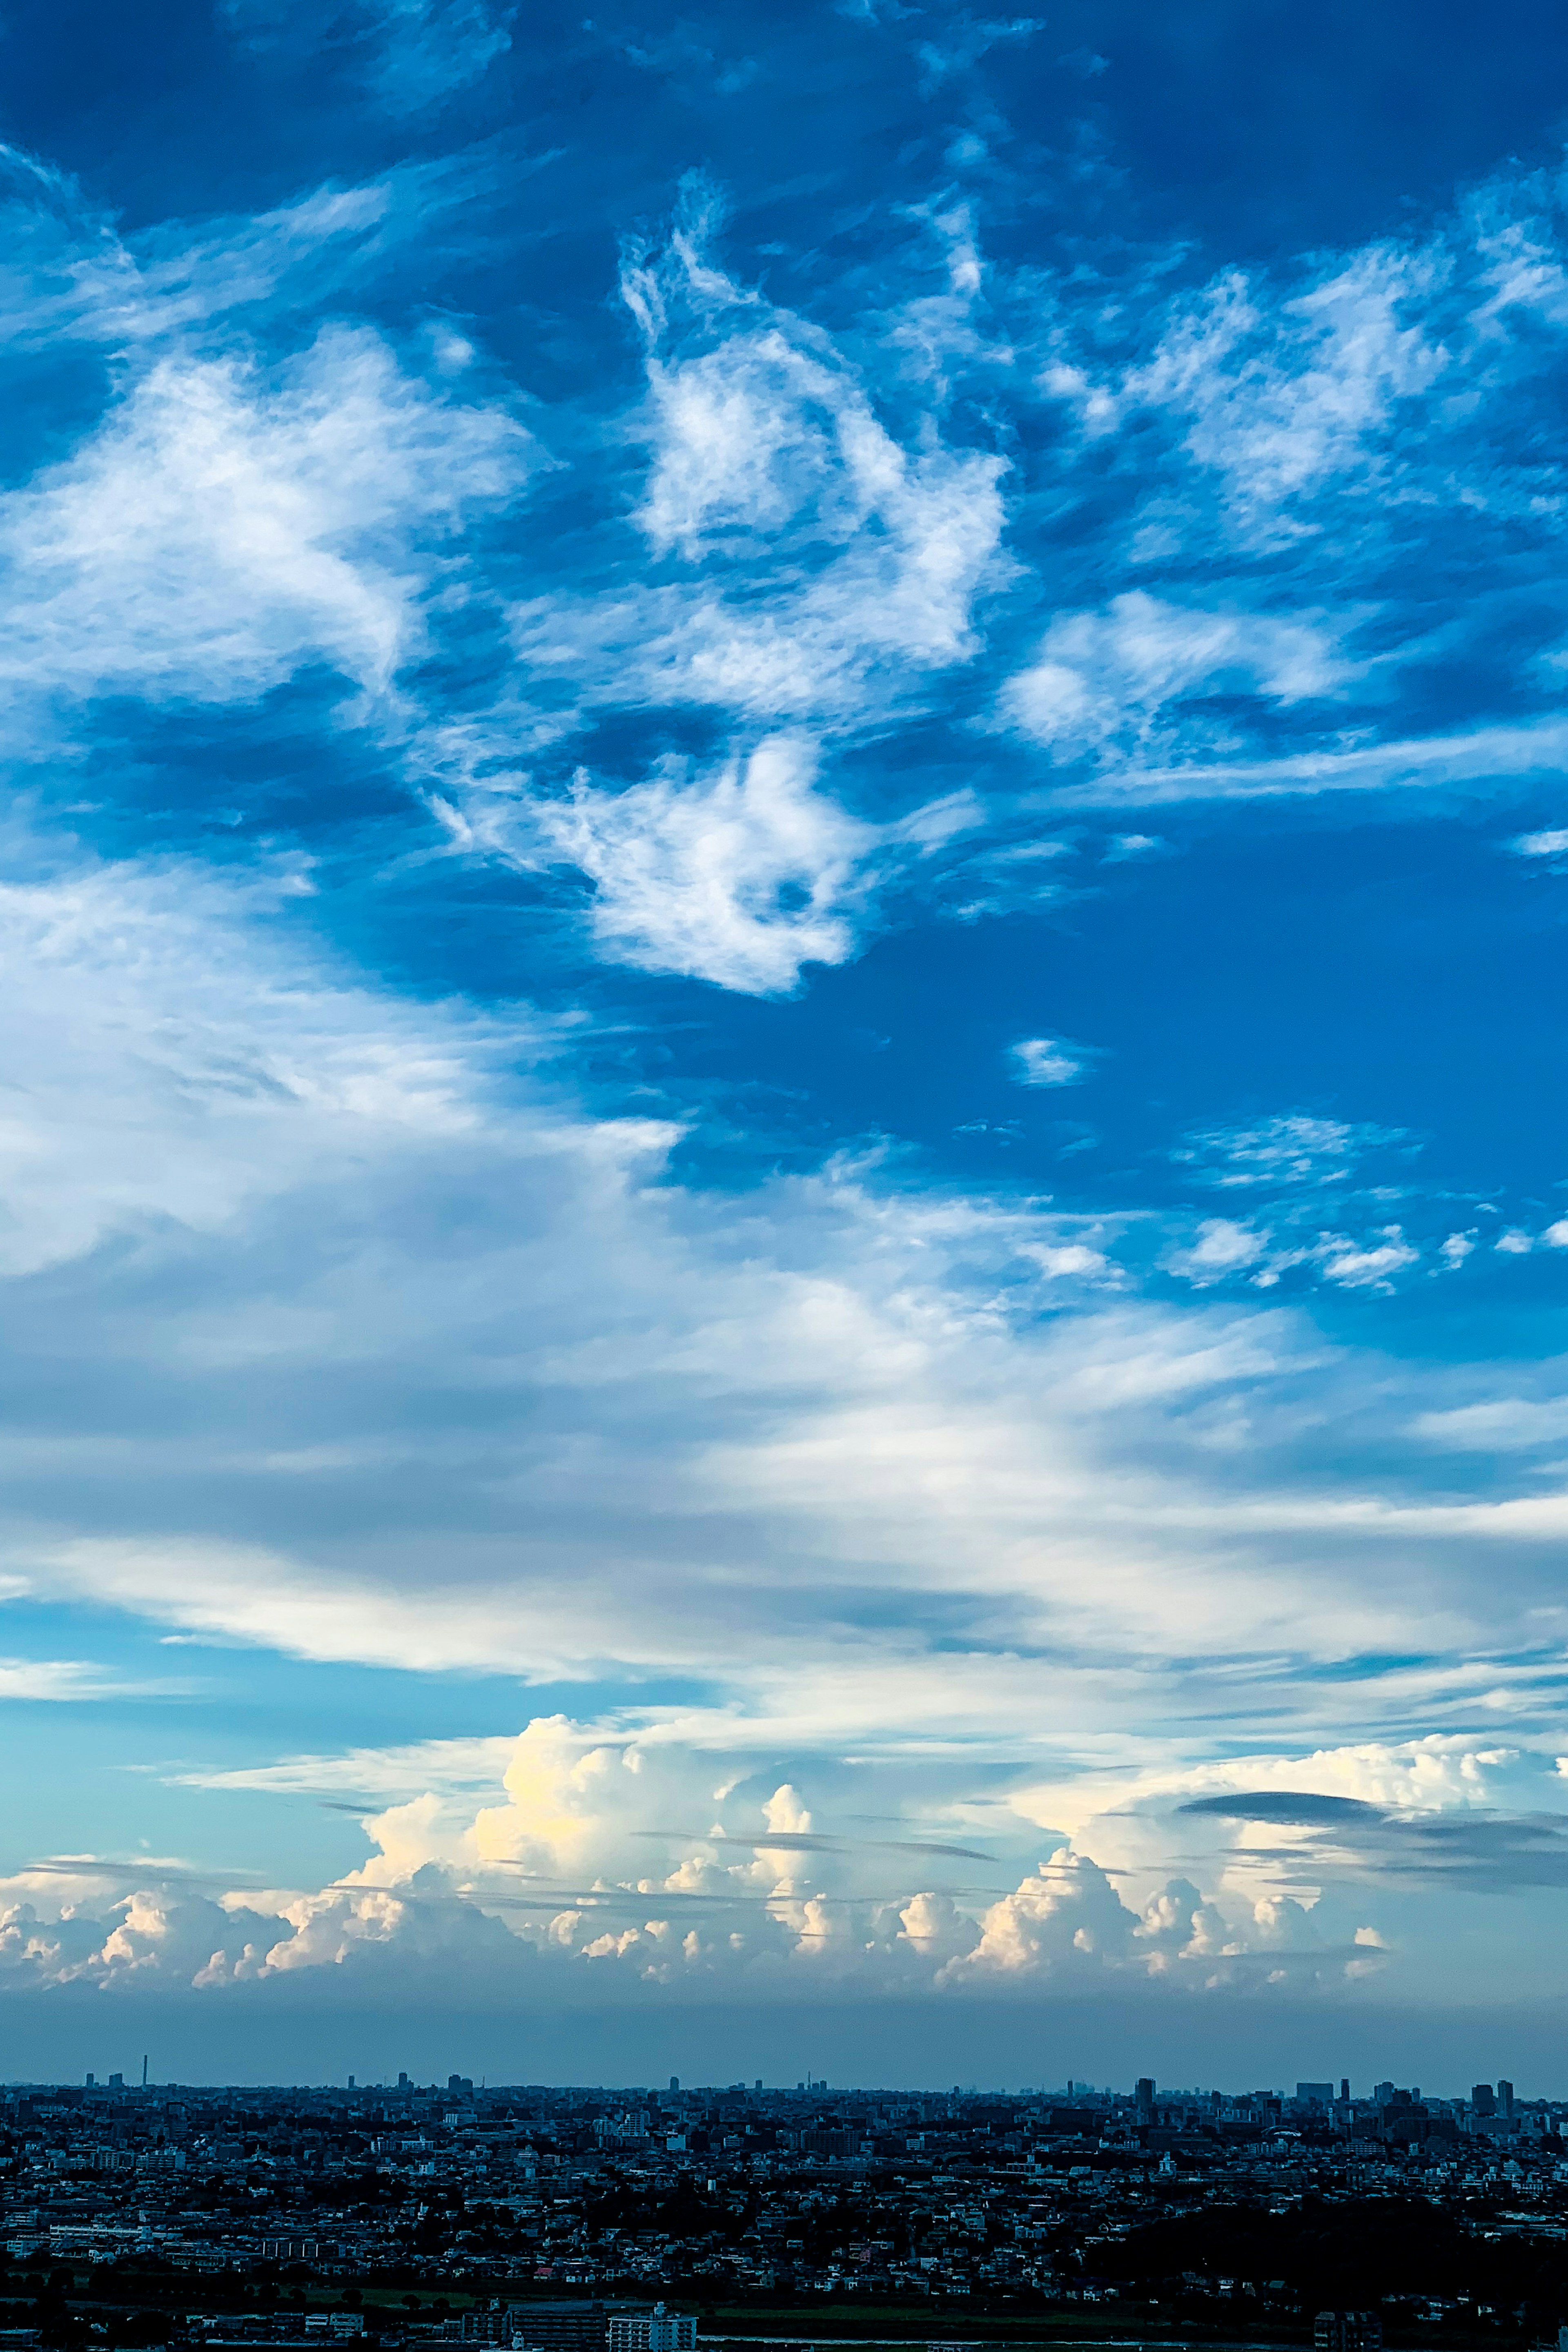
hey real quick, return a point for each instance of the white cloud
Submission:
(1057, 1259)
(740, 877)
(1369, 1265)
(812, 572)
(1131, 1818)
(387, 1773)
(583, 1862)
(855, 1384)
(1426, 763)
(1498, 1425)
(820, 569)
(1542, 845)
(55, 1679)
(1222, 1247)
(222, 529)
(278, 1211)
(1127, 683)
(1277, 400)
(729, 1382)
(1293, 1148)
(146, 1007)
(1048, 1062)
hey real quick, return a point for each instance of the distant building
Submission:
(659, 2330)
(1483, 2099)
(1144, 2098)
(559, 2326)
(1314, 2094)
(1347, 2331)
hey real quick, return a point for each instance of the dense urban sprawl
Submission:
(633, 2220)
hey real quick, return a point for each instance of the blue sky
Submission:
(784, 1197)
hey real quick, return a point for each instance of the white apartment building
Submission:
(657, 2330)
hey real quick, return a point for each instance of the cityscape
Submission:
(573, 2220)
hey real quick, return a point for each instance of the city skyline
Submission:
(1483, 2099)
(784, 1163)
(533, 2217)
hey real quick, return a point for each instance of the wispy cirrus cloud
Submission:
(410, 55)
(222, 530)
(1148, 679)
(1290, 1149)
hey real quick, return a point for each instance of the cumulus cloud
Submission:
(552, 1887)
(158, 1939)
(1296, 1850)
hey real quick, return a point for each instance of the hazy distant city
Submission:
(646, 2220)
